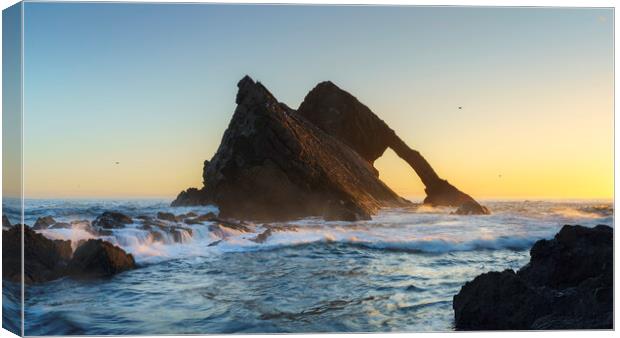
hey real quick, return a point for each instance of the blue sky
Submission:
(153, 87)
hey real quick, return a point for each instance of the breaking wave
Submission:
(513, 225)
(398, 271)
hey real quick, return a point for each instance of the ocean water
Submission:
(397, 272)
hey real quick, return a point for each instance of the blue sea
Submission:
(397, 272)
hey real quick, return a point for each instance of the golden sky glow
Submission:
(536, 87)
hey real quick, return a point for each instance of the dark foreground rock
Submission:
(46, 260)
(99, 258)
(568, 284)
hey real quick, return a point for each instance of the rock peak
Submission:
(327, 84)
(251, 91)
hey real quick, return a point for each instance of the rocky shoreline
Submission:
(568, 284)
(47, 259)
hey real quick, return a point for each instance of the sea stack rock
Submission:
(273, 164)
(568, 284)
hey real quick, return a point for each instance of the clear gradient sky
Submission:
(153, 87)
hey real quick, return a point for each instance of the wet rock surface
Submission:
(471, 208)
(46, 259)
(167, 216)
(568, 284)
(43, 222)
(96, 258)
(112, 220)
(263, 236)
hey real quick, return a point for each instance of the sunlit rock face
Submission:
(276, 163)
(273, 164)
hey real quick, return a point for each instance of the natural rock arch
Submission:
(276, 163)
(340, 114)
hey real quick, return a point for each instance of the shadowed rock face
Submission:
(46, 259)
(341, 115)
(568, 284)
(96, 258)
(275, 163)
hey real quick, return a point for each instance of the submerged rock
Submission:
(273, 164)
(262, 237)
(167, 216)
(235, 225)
(178, 234)
(43, 222)
(112, 220)
(161, 231)
(61, 225)
(99, 258)
(208, 217)
(6, 224)
(568, 284)
(472, 208)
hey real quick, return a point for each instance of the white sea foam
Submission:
(513, 225)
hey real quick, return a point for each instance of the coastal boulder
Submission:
(99, 258)
(167, 216)
(43, 222)
(44, 259)
(575, 254)
(273, 164)
(568, 284)
(488, 303)
(112, 220)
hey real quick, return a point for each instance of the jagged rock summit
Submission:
(275, 163)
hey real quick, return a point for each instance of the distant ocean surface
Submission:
(397, 272)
